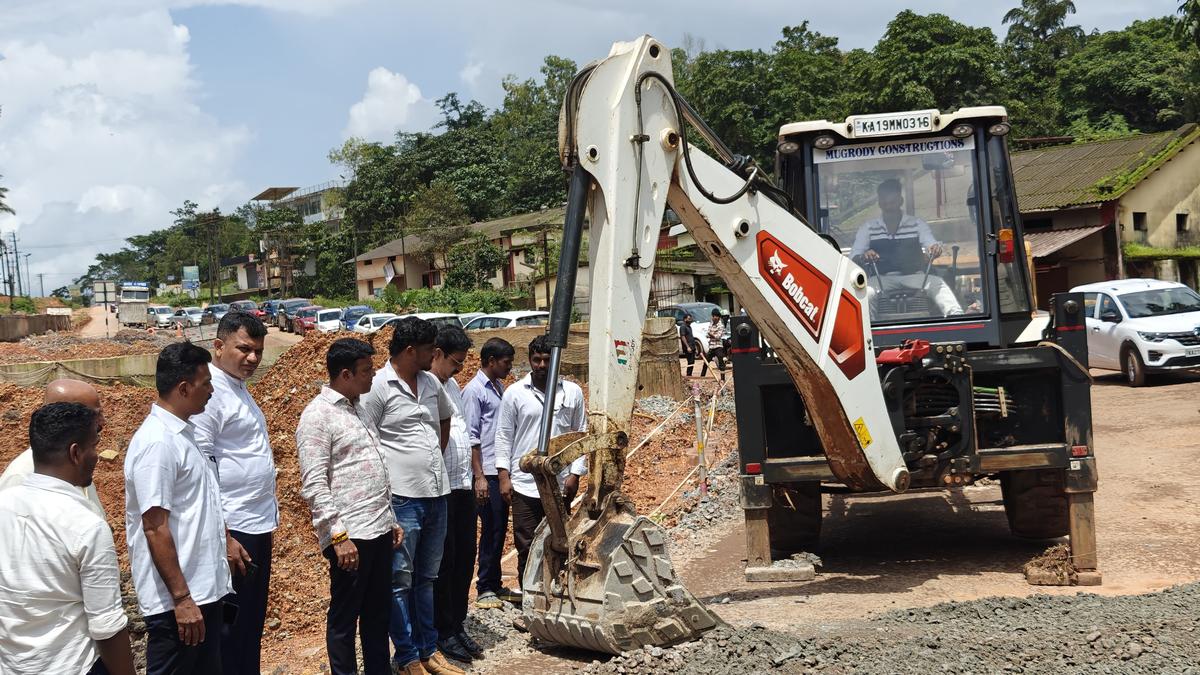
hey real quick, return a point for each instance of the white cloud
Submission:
(102, 135)
(470, 74)
(390, 103)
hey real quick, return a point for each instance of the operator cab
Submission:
(898, 193)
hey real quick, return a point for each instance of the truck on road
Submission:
(133, 303)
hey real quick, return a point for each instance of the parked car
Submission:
(216, 311)
(1141, 326)
(329, 320)
(304, 319)
(268, 307)
(159, 316)
(287, 310)
(248, 306)
(352, 314)
(370, 323)
(467, 317)
(435, 318)
(188, 317)
(509, 320)
(701, 313)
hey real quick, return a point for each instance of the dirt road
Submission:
(918, 550)
(96, 327)
(921, 549)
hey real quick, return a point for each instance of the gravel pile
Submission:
(1153, 633)
(657, 406)
(719, 506)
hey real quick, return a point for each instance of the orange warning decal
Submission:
(803, 288)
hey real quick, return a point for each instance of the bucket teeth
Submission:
(633, 600)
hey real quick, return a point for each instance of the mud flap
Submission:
(620, 594)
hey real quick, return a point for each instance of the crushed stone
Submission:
(1085, 633)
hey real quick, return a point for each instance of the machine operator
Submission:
(892, 242)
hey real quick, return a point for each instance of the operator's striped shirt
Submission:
(899, 252)
(911, 227)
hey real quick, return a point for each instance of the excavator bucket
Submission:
(617, 591)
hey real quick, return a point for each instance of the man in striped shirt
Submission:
(892, 243)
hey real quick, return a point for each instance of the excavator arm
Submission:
(599, 578)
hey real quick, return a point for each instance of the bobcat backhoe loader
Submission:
(600, 577)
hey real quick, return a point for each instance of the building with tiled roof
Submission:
(1110, 209)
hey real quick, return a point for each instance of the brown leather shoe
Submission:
(414, 668)
(437, 664)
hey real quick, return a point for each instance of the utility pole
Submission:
(28, 279)
(8, 273)
(42, 282)
(17, 262)
(546, 264)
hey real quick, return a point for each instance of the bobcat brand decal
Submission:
(800, 285)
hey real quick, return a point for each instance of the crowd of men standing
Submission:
(396, 465)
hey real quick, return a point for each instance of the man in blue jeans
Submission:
(411, 413)
(481, 400)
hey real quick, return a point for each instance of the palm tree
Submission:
(1188, 26)
(1041, 17)
(4, 207)
(1045, 22)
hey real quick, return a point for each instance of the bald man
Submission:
(60, 391)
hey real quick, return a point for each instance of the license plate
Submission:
(893, 123)
(1194, 351)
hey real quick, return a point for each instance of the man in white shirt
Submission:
(232, 432)
(892, 244)
(173, 522)
(518, 431)
(411, 412)
(453, 585)
(61, 610)
(59, 391)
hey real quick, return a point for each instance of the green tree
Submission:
(1038, 39)
(528, 123)
(929, 61)
(1188, 25)
(439, 219)
(1142, 74)
(474, 261)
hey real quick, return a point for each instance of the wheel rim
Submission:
(1131, 367)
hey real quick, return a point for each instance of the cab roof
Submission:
(941, 121)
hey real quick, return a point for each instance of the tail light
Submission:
(1006, 247)
(753, 468)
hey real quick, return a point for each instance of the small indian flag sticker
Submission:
(622, 350)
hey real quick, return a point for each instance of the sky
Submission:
(113, 112)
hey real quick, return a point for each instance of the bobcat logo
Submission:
(775, 264)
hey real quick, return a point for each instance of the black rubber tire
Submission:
(1132, 367)
(1035, 502)
(794, 519)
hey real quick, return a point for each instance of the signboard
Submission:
(104, 291)
(135, 284)
(191, 273)
(890, 124)
(191, 284)
(886, 149)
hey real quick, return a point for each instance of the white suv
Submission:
(1139, 326)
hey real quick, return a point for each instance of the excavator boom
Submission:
(600, 577)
